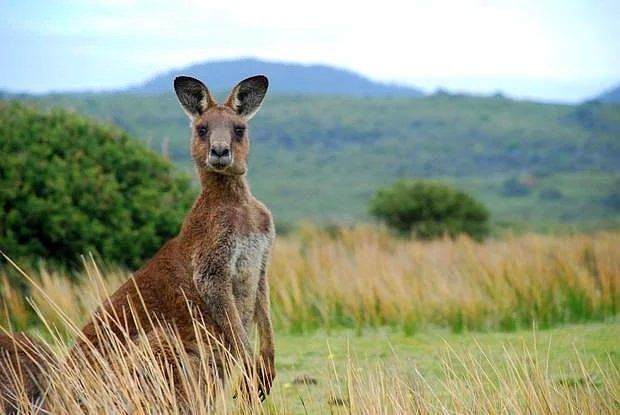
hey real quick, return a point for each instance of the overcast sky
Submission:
(549, 50)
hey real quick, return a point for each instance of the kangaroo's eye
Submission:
(202, 131)
(239, 131)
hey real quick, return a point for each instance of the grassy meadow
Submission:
(369, 323)
(323, 157)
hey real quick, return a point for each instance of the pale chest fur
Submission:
(248, 257)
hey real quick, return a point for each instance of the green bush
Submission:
(70, 186)
(429, 209)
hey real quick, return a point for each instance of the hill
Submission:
(612, 95)
(323, 157)
(285, 78)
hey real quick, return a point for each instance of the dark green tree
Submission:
(429, 209)
(70, 186)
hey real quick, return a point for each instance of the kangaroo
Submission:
(218, 261)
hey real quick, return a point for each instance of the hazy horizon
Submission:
(556, 51)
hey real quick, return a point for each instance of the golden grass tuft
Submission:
(358, 277)
(364, 277)
(132, 378)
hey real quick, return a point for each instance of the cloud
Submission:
(407, 41)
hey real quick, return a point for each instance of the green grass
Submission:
(323, 157)
(582, 196)
(316, 355)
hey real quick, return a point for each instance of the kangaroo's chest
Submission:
(248, 254)
(247, 259)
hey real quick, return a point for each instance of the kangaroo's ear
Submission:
(246, 97)
(193, 95)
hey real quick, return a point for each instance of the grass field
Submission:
(571, 358)
(368, 323)
(364, 277)
(323, 157)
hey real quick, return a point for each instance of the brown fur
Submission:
(195, 266)
(218, 260)
(22, 364)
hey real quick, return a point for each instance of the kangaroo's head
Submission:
(220, 141)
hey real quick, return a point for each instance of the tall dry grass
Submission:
(132, 378)
(355, 278)
(472, 385)
(365, 277)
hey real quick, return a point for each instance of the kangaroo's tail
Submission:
(23, 364)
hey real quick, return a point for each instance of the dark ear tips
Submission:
(259, 80)
(247, 97)
(186, 83)
(192, 94)
(257, 83)
(183, 80)
(179, 81)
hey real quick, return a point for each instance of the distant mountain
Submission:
(285, 78)
(612, 95)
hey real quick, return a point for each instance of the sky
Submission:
(563, 51)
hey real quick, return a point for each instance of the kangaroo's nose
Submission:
(219, 156)
(219, 150)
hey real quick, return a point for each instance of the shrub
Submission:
(429, 210)
(69, 186)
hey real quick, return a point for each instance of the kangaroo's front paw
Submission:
(266, 374)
